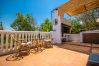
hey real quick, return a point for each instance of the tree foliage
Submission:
(46, 26)
(88, 20)
(23, 23)
(30, 20)
(76, 26)
(1, 26)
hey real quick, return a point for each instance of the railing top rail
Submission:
(3, 31)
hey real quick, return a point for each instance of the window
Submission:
(56, 21)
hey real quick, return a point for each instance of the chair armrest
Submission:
(22, 40)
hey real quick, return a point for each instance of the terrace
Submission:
(55, 56)
(67, 52)
(75, 53)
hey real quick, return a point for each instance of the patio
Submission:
(63, 54)
(55, 56)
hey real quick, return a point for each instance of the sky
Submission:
(39, 9)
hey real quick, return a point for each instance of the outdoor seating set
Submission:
(24, 48)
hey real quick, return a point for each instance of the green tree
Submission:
(89, 19)
(76, 26)
(31, 21)
(46, 26)
(1, 26)
(21, 23)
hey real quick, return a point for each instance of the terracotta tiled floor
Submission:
(49, 57)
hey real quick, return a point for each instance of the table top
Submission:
(94, 58)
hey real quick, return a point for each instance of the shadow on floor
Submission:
(75, 47)
(88, 64)
(80, 47)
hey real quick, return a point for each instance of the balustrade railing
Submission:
(7, 42)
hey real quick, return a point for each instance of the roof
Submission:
(74, 7)
(66, 22)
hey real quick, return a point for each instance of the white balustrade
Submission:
(7, 41)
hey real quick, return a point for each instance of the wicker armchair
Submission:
(48, 43)
(38, 44)
(21, 49)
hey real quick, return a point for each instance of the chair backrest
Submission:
(38, 42)
(34, 41)
(15, 40)
(13, 37)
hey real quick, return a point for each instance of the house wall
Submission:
(75, 37)
(72, 37)
(57, 29)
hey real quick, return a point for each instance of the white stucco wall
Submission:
(57, 29)
(75, 37)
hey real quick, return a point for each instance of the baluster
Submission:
(36, 36)
(19, 36)
(16, 37)
(26, 37)
(31, 36)
(45, 35)
(22, 36)
(42, 36)
(39, 36)
(7, 44)
(50, 35)
(2, 41)
(11, 41)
